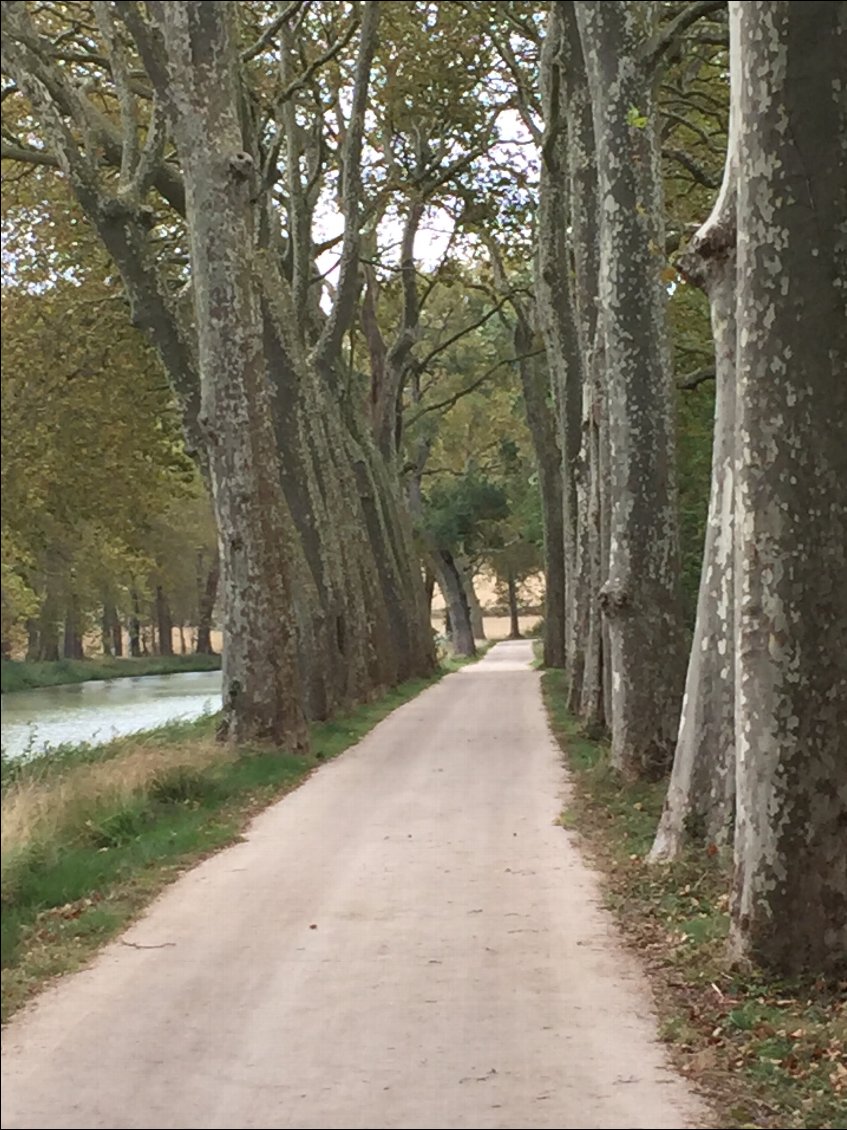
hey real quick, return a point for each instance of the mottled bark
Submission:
(48, 642)
(196, 76)
(588, 688)
(32, 640)
(593, 550)
(450, 583)
(541, 419)
(49, 616)
(556, 315)
(640, 597)
(390, 367)
(789, 903)
(700, 804)
(355, 602)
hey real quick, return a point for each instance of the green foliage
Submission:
(635, 118)
(459, 511)
(95, 478)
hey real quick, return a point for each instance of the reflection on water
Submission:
(98, 711)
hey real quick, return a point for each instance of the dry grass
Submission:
(91, 835)
(40, 809)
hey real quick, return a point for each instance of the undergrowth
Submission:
(767, 1053)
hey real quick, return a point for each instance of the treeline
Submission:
(757, 747)
(108, 539)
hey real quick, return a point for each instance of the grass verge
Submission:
(767, 1053)
(20, 676)
(91, 834)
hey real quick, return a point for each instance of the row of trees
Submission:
(342, 224)
(758, 754)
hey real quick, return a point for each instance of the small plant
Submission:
(117, 828)
(183, 784)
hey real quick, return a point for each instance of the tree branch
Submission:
(695, 379)
(668, 36)
(288, 11)
(334, 49)
(343, 307)
(709, 180)
(27, 156)
(119, 66)
(526, 101)
(423, 364)
(450, 401)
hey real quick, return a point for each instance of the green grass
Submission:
(21, 676)
(767, 1053)
(91, 834)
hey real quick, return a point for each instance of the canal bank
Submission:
(92, 834)
(24, 675)
(97, 711)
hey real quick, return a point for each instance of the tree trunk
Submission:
(33, 640)
(183, 644)
(107, 614)
(589, 683)
(789, 904)
(641, 597)
(429, 586)
(514, 617)
(557, 321)
(135, 627)
(49, 617)
(72, 636)
(477, 622)
(164, 623)
(593, 558)
(450, 582)
(208, 594)
(198, 79)
(117, 634)
(700, 805)
(535, 383)
(353, 612)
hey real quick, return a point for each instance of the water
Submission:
(100, 710)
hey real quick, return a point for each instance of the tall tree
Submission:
(262, 695)
(701, 792)
(357, 614)
(623, 46)
(789, 905)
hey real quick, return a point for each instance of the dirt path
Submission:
(407, 941)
